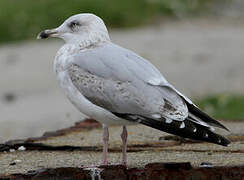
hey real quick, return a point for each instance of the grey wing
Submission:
(130, 87)
(114, 62)
(125, 97)
(121, 81)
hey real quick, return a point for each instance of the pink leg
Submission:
(124, 141)
(105, 145)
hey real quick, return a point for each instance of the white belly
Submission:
(84, 105)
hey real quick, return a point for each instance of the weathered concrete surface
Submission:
(199, 57)
(81, 146)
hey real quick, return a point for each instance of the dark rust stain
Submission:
(155, 171)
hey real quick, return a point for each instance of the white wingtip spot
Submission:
(211, 128)
(168, 121)
(206, 135)
(195, 130)
(156, 116)
(219, 141)
(182, 125)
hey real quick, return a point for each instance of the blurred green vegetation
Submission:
(24, 19)
(224, 107)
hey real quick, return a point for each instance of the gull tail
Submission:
(189, 128)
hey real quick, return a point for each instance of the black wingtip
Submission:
(205, 117)
(218, 139)
(219, 125)
(226, 129)
(223, 127)
(190, 130)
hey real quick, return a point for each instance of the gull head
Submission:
(83, 29)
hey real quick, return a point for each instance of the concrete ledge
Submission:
(75, 153)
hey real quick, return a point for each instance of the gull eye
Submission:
(73, 24)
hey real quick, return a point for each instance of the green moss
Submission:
(226, 107)
(24, 19)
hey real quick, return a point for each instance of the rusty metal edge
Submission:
(150, 171)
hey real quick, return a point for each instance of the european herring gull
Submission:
(116, 86)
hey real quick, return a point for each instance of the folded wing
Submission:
(129, 86)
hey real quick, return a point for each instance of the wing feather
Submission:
(128, 96)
